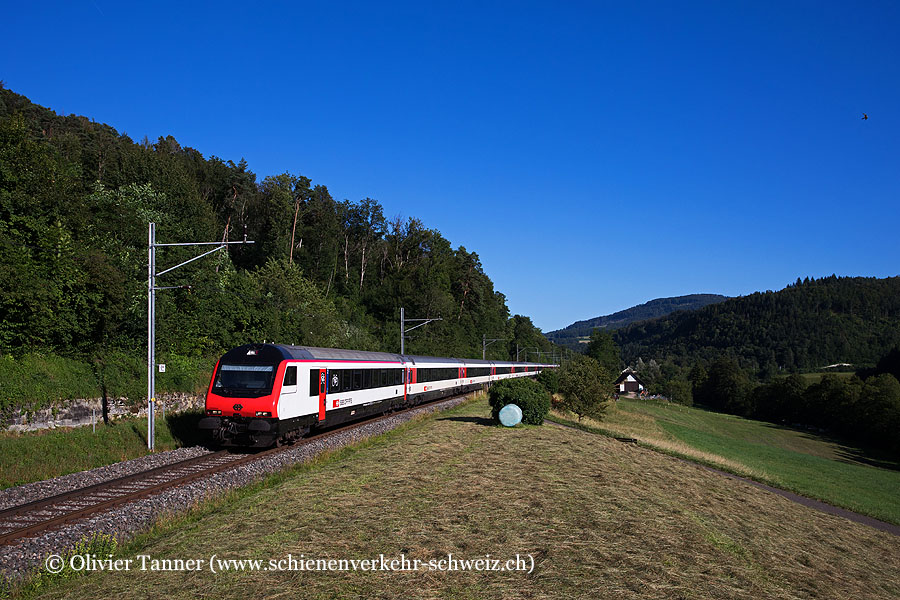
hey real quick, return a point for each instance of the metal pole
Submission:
(151, 338)
(151, 316)
(404, 330)
(485, 342)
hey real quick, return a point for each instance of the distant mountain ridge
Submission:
(578, 332)
(807, 325)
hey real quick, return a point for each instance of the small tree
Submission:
(679, 390)
(585, 387)
(527, 394)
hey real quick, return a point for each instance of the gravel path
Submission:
(124, 521)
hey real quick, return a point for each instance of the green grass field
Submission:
(812, 378)
(787, 458)
(601, 519)
(39, 455)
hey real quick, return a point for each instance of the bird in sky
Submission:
(865, 117)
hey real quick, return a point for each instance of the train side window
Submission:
(290, 376)
(367, 379)
(382, 378)
(346, 379)
(398, 376)
(334, 380)
(357, 379)
(313, 382)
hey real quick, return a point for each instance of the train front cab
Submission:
(242, 401)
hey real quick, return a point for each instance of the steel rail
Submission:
(26, 520)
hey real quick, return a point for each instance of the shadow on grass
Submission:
(183, 427)
(846, 452)
(139, 432)
(477, 420)
(873, 458)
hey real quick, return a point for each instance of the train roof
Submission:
(286, 352)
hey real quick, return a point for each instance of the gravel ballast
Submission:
(26, 555)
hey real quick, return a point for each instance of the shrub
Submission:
(527, 394)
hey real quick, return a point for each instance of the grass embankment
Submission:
(38, 455)
(794, 460)
(601, 519)
(35, 381)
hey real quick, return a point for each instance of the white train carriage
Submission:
(263, 393)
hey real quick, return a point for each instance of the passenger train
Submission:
(265, 394)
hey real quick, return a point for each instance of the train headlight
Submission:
(213, 412)
(263, 413)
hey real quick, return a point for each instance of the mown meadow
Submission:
(796, 460)
(600, 519)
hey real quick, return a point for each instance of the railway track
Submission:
(35, 517)
(38, 516)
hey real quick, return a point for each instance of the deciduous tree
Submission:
(585, 387)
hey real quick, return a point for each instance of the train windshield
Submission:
(242, 381)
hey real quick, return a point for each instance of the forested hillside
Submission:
(808, 325)
(75, 200)
(576, 335)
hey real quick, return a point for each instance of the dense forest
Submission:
(808, 325)
(744, 356)
(576, 335)
(864, 407)
(76, 197)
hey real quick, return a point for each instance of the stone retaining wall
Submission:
(76, 413)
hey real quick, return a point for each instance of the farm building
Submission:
(629, 382)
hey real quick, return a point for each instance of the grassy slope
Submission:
(602, 519)
(794, 460)
(39, 455)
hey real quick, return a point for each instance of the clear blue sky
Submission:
(596, 155)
